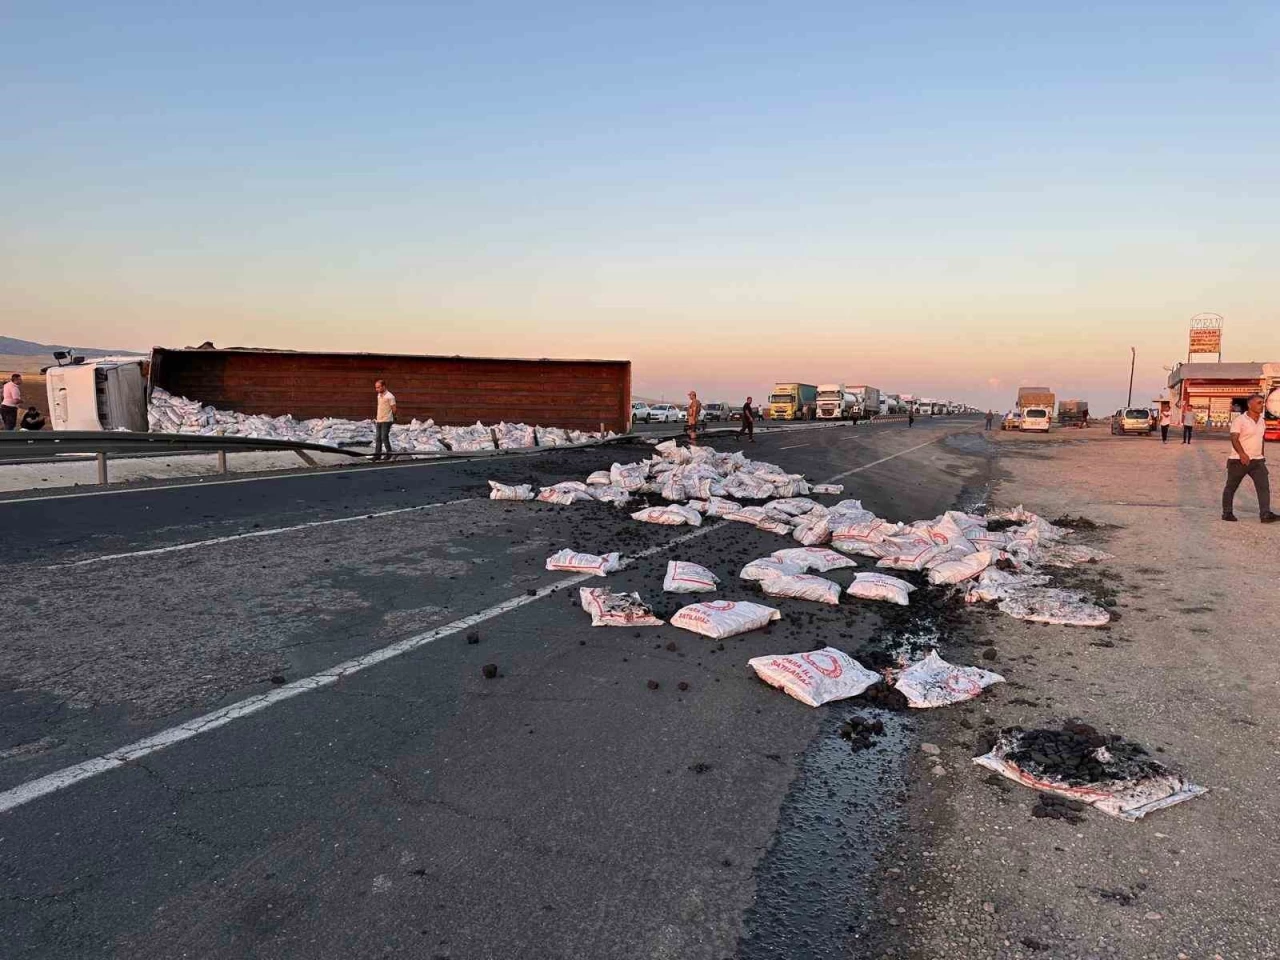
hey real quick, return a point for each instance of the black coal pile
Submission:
(1079, 754)
(884, 696)
(998, 525)
(861, 732)
(1075, 523)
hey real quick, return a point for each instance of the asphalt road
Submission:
(412, 807)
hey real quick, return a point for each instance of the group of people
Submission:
(11, 403)
(694, 414)
(1187, 417)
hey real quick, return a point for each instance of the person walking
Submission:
(10, 401)
(1248, 459)
(1188, 422)
(748, 422)
(911, 417)
(1166, 418)
(990, 418)
(695, 411)
(386, 416)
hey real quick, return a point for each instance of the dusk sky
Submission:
(937, 198)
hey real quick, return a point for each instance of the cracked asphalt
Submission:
(562, 809)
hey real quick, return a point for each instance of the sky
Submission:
(934, 198)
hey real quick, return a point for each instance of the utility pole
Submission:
(1133, 360)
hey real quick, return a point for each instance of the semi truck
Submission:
(1035, 397)
(866, 401)
(112, 393)
(793, 401)
(835, 402)
(1073, 412)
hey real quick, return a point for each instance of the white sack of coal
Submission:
(772, 525)
(932, 682)
(1050, 605)
(813, 531)
(861, 536)
(699, 505)
(1114, 775)
(720, 507)
(673, 489)
(551, 437)
(629, 476)
(719, 619)
(769, 567)
(673, 452)
(673, 514)
(503, 491)
(685, 577)
(814, 558)
(995, 584)
(608, 493)
(880, 586)
(609, 609)
(985, 539)
(599, 477)
(817, 677)
(468, 439)
(905, 552)
(584, 562)
(744, 487)
(514, 436)
(963, 568)
(802, 586)
(794, 506)
(835, 489)
(565, 493)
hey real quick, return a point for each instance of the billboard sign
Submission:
(1206, 335)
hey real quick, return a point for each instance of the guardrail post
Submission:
(222, 461)
(102, 468)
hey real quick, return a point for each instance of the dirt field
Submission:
(1187, 667)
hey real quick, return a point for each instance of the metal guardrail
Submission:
(33, 446)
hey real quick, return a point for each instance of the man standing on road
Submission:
(1166, 418)
(1248, 459)
(990, 417)
(1188, 422)
(10, 402)
(911, 417)
(748, 422)
(695, 411)
(385, 418)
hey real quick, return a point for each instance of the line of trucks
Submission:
(1034, 411)
(841, 401)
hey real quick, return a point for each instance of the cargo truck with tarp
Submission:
(793, 401)
(1073, 413)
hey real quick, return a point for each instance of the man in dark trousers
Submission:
(1188, 422)
(748, 422)
(911, 417)
(1248, 459)
(33, 419)
(386, 416)
(990, 417)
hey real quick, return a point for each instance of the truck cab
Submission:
(105, 394)
(793, 401)
(834, 401)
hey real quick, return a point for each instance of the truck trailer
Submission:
(835, 402)
(793, 401)
(866, 401)
(574, 394)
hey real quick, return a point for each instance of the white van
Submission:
(1036, 418)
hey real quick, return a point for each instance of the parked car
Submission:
(640, 412)
(1132, 420)
(1036, 419)
(1012, 420)
(664, 413)
(714, 411)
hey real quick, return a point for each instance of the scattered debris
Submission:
(1052, 807)
(861, 732)
(817, 677)
(1051, 605)
(473, 636)
(652, 684)
(489, 671)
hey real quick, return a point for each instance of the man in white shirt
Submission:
(10, 402)
(1166, 418)
(1248, 459)
(1188, 422)
(386, 416)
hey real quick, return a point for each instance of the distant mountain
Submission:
(27, 348)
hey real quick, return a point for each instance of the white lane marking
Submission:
(794, 446)
(69, 776)
(271, 532)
